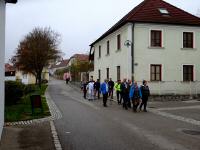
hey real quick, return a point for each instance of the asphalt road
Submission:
(89, 126)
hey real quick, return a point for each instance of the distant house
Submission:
(155, 41)
(78, 57)
(10, 72)
(58, 65)
(28, 78)
(75, 59)
(2, 53)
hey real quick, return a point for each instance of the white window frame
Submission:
(119, 34)
(194, 72)
(162, 36)
(163, 11)
(194, 39)
(162, 71)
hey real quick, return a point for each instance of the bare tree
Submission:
(36, 50)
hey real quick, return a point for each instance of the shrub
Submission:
(13, 92)
(30, 88)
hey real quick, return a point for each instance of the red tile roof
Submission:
(81, 57)
(63, 63)
(9, 68)
(148, 12)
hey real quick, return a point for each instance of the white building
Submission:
(10, 72)
(2, 53)
(157, 42)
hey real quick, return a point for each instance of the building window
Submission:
(99, 51)
(118, 42)
(188, 73)
(163, 11)
(118, 73)
(99, 74)
(156, 38)
(188, 40)
(107, 73)
(24, 76)
(108, 47)
(156, 73)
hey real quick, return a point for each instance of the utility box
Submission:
(36, 102)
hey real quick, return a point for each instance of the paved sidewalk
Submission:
(36, 136)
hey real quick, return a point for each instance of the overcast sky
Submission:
(79, 22)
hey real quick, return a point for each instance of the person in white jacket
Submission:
(90, 88)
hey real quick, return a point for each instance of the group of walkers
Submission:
(126, 91)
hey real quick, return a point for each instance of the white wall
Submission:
(2, 53)
(116, 57)
(10, 78)
(172, 57)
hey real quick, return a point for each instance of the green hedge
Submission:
(13, 92)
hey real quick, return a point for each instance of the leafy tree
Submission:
(36, 50)
(80, 66)
(60, 72)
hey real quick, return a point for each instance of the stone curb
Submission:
(55, 136)
(55, 114)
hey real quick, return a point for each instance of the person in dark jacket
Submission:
(135, 95)
(125, 93)
(97, 88)
(129, 86)
(110, 87)
(145, 95)
(84, 88)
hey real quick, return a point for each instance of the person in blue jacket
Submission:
(104, 91)
(135, 95)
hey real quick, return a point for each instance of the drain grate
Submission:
(191, 132)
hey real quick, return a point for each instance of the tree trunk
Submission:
(39, 79)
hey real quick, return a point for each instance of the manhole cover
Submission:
(191, 132)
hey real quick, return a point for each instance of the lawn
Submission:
(22, 110)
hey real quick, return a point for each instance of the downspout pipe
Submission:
(132, 53)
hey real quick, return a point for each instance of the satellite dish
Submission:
(127, 43)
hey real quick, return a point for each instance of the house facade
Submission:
(58, 65)
(10, 72)
(28, 78)
(2, 54)
(156, 42)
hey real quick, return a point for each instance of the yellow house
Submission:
(28, 78)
